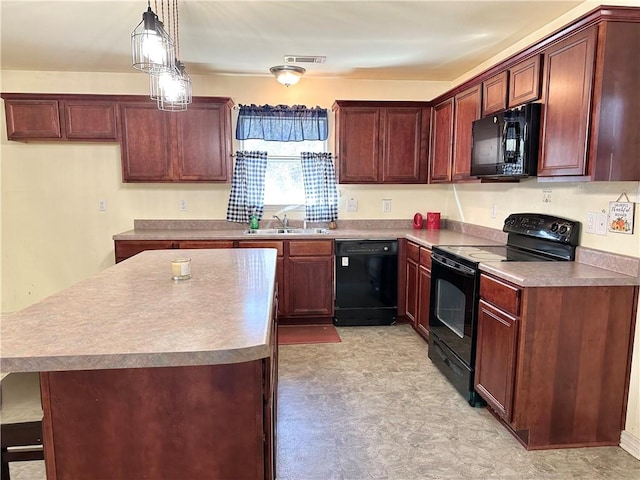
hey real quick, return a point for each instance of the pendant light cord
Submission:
(177, 27)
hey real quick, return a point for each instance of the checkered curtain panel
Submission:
(247, 187)
(320, 191)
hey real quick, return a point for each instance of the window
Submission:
(283, 181)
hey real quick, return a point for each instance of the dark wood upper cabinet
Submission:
(358, 144)
(204, 143)
(494, 93)
(48, 117)
(147, 143)
(156, 146)
(586, 77)
(590, 131)
(451, 136)
(614, 145)
(382, 142)
(510, 88)
(406, 140)
(189, 146)
(90, 120)
(524, 82)
(441, 142)
(32, 119)
(466, 110)
(568, 77)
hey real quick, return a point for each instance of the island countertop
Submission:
(134, 315)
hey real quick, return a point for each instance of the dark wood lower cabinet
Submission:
(128, 248)
(411, 282)
(196, 422)
(417, 287)
(424, 293)
(554, 363)
(496, 358)
(309, 282)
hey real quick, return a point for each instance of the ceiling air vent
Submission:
(303, 59)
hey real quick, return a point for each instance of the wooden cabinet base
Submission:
(526, 440)
(558, 374)
(196, 422)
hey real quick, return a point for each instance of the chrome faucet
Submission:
(284, 221)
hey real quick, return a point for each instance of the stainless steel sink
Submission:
(286, 231)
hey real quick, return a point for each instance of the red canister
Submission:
(433, 220)
(418, 221)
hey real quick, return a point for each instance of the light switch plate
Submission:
(601, 224)
(352, 205)
(591, 222)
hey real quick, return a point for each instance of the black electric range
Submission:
(455, 283)
(532, 237)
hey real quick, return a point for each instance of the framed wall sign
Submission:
(621, 215)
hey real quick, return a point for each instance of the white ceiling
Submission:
(428, 40)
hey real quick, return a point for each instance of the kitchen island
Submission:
(147, 377)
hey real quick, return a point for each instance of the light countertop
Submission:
(591, 268)
(134, 315)
(557, 274)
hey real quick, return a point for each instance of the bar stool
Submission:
(21, 420)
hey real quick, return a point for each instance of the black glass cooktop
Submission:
(492, 253)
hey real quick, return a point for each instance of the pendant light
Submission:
(172, 89)
(152, 48)
(287, 75)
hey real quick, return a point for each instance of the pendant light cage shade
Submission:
(172, 91)
(152, 49)
(287, 75)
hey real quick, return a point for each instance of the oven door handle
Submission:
(452, 265)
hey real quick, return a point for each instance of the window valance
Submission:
(282, 123)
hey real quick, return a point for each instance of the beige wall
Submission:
(53, 234)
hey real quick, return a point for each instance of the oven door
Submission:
(452, 312)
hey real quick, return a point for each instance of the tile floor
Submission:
(373, 407)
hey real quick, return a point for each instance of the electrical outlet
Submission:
(386, 205)
(591, 222)
(352, 205)
(183, 205)
(601, 224)
(546, 196)
(102, 205)
(494, 210)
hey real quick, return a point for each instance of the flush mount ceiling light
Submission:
(287, 74)
(152, 48)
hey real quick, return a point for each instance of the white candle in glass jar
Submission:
(181, 268)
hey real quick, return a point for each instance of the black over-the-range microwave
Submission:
(505, 144)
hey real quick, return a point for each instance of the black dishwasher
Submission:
(366, 282)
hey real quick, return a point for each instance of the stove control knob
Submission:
(563, 229)
(554, 227)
